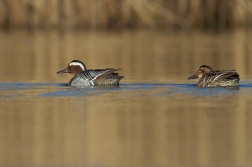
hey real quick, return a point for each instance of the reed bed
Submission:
(109, 14)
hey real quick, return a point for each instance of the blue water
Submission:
(61, 90)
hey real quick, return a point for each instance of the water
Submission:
(156, 117)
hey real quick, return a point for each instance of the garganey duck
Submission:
(218, 78)
(97, 77)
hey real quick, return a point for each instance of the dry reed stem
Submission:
(125, 13)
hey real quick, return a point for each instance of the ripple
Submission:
(9, 90)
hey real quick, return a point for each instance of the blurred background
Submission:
(172, 37)
(125, 14)
(156, 117)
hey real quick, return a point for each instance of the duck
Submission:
(216, 78)
(96, 77)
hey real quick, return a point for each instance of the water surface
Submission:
(156, 117)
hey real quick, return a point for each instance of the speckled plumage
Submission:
(218, 78)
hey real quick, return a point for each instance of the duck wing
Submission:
(214, 77)
(221, 75)
(96, 74)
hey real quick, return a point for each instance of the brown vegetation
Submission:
(220, 14)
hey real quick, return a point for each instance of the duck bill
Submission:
(63, 71)
(193, 76)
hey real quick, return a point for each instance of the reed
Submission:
(109, 14)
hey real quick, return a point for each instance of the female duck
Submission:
(210, 78)
(97, 77)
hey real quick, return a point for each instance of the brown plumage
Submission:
(218, 78)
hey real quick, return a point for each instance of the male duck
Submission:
(210, 78)
(97, 77)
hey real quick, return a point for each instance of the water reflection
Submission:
(143, 56)
(133, 125)
(52, 90)
(155, 118)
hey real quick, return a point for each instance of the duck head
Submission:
(202, 70)
(73, 67)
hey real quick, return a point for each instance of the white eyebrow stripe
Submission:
(77, 64)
